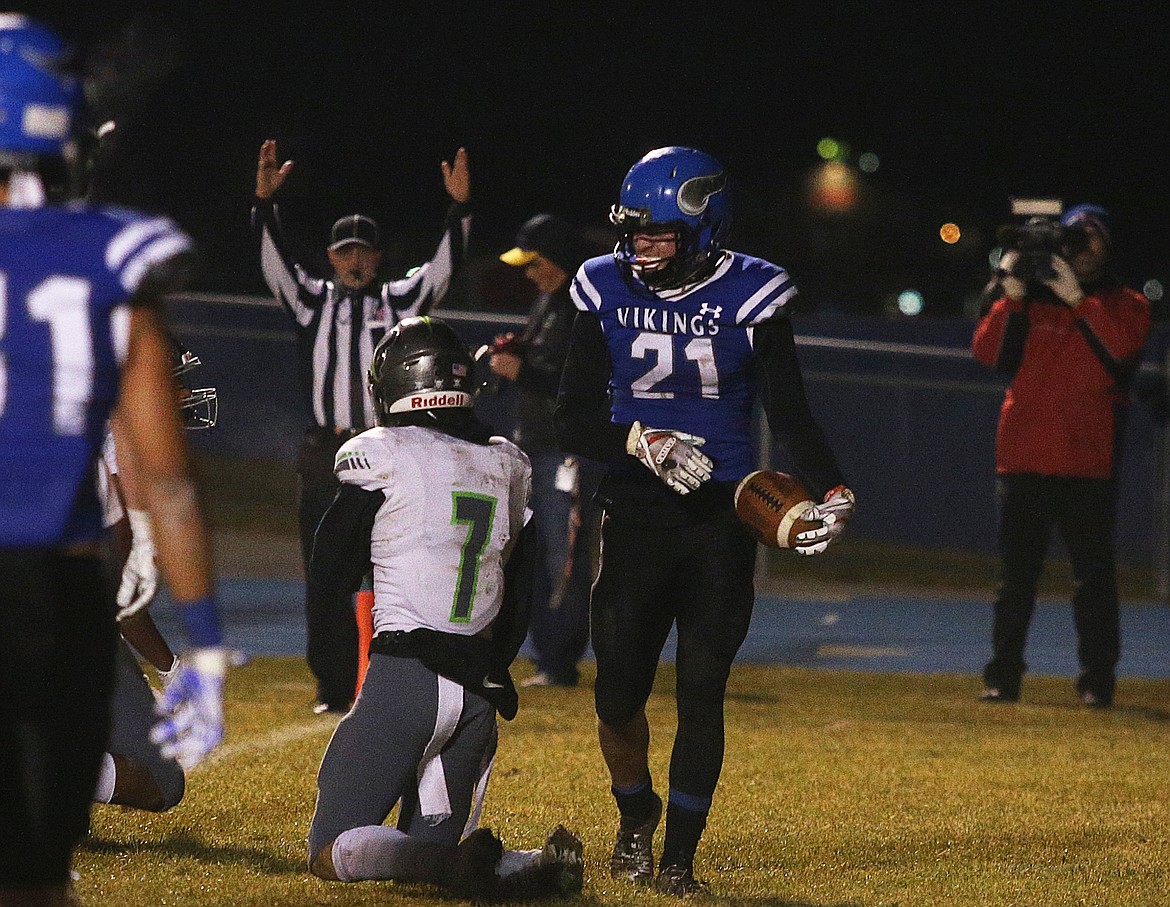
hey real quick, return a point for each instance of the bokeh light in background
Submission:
(910, 302)
(950, 233)
(829, 149)
(1153, 289)
(834, 187)
(868, 162)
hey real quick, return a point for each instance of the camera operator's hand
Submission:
(1065, 284)
(1013, 287)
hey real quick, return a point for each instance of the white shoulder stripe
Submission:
(156, 251)
(584, 293)
(773, 294)
(132, 236)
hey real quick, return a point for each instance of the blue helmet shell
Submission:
(675, 188)
(38, 98)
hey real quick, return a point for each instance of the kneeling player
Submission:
(438, 506)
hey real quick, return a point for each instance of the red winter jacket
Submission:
(1068, 367)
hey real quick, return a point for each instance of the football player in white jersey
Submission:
(134, 772)
(437, 506)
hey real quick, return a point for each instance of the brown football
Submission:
(773, 504)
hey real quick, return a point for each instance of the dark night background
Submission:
(965, 105)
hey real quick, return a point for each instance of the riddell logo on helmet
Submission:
(432, 400)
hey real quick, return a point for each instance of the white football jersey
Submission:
(451, 514)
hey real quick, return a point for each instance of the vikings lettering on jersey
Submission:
(452, 510)
(684, 360)
(64, 335)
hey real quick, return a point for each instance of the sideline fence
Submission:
(909, 412)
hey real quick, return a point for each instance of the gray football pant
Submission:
(380, 754)
(131, 717)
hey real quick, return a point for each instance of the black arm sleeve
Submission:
(510, 628)
(786, 406)
(1011, 348)
(341, 545)
(583, 416)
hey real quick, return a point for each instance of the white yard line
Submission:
(289, 733)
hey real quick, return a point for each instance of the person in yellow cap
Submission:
(549, 250)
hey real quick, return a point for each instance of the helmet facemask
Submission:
(198, 406)
(677, 191)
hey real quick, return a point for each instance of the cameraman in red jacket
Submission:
(1071, 342)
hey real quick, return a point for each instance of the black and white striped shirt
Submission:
(337, 329)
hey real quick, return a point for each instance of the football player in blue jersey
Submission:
(81, 330)
(675, 341)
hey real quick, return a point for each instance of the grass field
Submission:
(838, 789)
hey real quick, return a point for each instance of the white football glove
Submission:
(834, 512)
(1065, 284)
(673, 456)
(1013, 287)
(140, 572)
(191, 709)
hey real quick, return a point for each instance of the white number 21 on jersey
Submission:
(660, 348)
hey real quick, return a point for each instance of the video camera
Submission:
(1039, 237)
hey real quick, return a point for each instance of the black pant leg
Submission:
(1025, 527)
(717, 596)
(330, 622)
(1085, 520)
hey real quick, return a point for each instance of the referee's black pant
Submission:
(330, 624)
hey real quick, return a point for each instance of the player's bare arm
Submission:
(152, 425)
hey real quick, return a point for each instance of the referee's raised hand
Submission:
(270, 176)
(456, 177)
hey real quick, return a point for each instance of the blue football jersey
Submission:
(66, 275)
(684, 360)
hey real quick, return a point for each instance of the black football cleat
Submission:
(678, 881)
(472, 873)
(557, 871)
(633, 852)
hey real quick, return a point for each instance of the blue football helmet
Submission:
(39, 95)
(673, 190)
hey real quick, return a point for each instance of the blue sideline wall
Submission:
(909, 412)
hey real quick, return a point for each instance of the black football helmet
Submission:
(199, 406)
(420, 365)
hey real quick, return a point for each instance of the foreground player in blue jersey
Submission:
(675, 341)
(80, 331)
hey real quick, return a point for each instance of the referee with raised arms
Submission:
(339, 319)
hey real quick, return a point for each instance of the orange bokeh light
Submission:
(950, 233)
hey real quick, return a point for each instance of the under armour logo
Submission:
(711, 310)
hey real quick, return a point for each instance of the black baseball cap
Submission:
(546, 235)
(354, 228)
